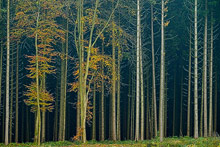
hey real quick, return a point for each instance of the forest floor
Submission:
(174, 142)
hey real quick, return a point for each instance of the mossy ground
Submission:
(171, 142)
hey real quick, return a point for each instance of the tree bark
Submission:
(17, 93)
(210, 80)
(153, 72)
(205, 70)
(138, 73)
(174, 104)
(162, 73)
(7, 75)
(195, 72)
(142, 94)
(94, 114)
(189, 84)
(12, 96)
(118, 95)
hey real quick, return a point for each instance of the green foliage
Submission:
(173, 141)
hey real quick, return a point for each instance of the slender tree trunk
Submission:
(162, 72)
(102, 123)
(216, 102)
(7, 75)
(129, 108)
(43, 131)
(118, 96)
(1, 57)
(56, 110)
(189, 84)
(165, 107)
(153, 72)
(142, 94)
(181, 107)
(148, 111)
(174, 104)
(94, 114)
(11, 94)
(202, 108)
(132, 107)
(210, 80)
(38, 115)
(138, 73)
(27, 125)
(113, 100)
(195, 73)
(65, 78)
(205, 71)
(17, 93)
(61, 98)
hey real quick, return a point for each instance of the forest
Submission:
(109, 72)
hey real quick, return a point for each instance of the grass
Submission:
(168, 142)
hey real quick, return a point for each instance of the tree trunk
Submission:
(132, 107)
(102, 122)
(216, 102)
(142, 94)
(138, 73)
(189, 84)
(174, 104)
(129, 108)
(17, 93)
(210, 80)
(7, 75)
(162, 72)
(202, 108)
(38, 115)
(181, 106)
(1, 57)
(205, 70)
(113, 100)
(153, 72)
(195, 73)
(94, 114)
(43, 131)
(56, 110)
(118, 96)
(11, 94)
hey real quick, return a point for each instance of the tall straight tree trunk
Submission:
(165, 107)
(189, 83)
(17, 93)
(195, 72)
(181, 107)
(205, 71)
(11, 94)
(113, 100)
(65, 77)
(61, 121)
(216, 102)
(118, 95)
(27, 125)
(1, 57)
(138, 73)
(174, 104)
(102, 122)
(148, 110)
(43, 131)
(153, 72)
(132, 107)
(142, 94)
(210, 80)
(129, 108)
(162, 73)
(56, 111)
(202, 109)
(38, 115)
(7, 75)
(94, 114)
